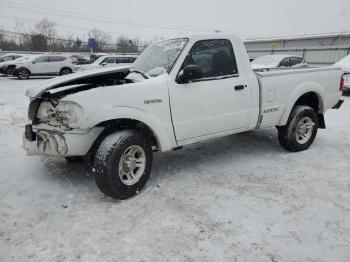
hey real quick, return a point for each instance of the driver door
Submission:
(219, 101)
(40, 65)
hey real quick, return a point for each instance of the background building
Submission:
(316, 49)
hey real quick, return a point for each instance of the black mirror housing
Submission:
(190, 72)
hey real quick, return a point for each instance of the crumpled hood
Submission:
(2, 64)
(37, 91)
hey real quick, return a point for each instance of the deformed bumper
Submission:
(56, 143)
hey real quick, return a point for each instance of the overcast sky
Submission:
(165, 18)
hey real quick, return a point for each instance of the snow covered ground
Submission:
(239, 198)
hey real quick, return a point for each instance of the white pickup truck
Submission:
(178, 92)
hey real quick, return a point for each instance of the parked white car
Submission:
(7, 60)
(345, 65)
(179, 91)
(44, 65)
(108, 61)
(278, 61)
(9, 67)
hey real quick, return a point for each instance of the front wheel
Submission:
(300, 131)
(23, 74)
(123, 164)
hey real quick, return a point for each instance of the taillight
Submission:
(342, 83)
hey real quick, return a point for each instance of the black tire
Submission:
(75, 159)
(65, 71)
(23, 73)
(108, 160)
(287, 135)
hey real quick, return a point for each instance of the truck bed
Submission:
(280, 89)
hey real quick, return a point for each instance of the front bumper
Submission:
(59, 143)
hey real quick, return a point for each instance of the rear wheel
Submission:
(123, 164)
(300, 131)
(65, 71)
(23, 74)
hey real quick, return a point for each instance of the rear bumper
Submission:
(55, 143)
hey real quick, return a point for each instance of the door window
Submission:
(109, 60)
(57, 58)
(215, 58)
(300, 60)
(125, 60)
(285, 62)
(42, 59)
(294, 61)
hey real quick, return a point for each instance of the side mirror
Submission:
(33, 62)
(103, 64)
(189, 73)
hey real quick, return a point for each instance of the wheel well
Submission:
(25, 69)
(66, 67)
(310, 99)
(122, 124)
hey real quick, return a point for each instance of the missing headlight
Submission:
(65, 113)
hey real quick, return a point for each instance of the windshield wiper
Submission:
(140, 72)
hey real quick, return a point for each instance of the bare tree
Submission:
(23, 36)
(46, 28)
(125, 45)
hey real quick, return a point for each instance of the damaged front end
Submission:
(40, 140)
(54, 128)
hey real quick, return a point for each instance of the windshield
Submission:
(25, 58)
(269, 60)
(160, 57)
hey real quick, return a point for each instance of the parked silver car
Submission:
(278, 61)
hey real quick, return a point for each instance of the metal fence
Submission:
(317, 49)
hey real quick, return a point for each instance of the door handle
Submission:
(240, 87)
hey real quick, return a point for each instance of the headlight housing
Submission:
(65, 113)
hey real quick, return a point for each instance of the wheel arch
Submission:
(23, 67)
(65, 67)
(310, 95)
(128, 118)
